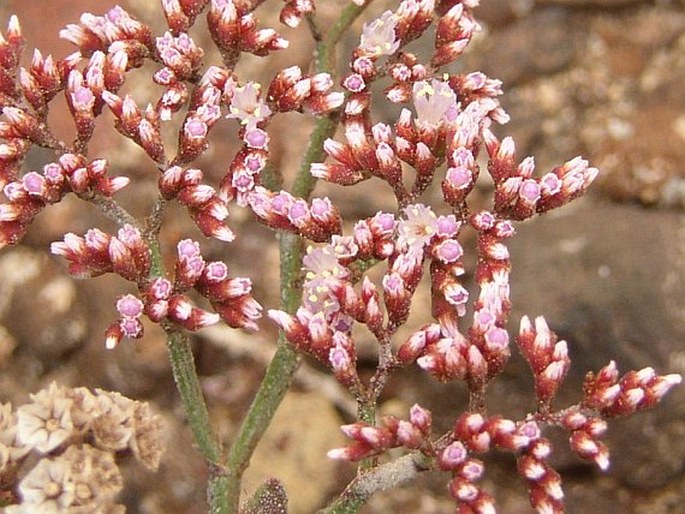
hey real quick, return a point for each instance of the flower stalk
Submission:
(197, 415)
(285, 362)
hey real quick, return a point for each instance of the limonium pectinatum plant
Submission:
(336, 274)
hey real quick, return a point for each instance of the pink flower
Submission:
(435, 103)
(247, 107)
(417, 228)
(129, 306)
(378, 36)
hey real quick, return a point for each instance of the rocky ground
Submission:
(602, 78)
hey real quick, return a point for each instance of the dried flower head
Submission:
(45, 423)
(12, 451)
(94, 476)
(65, 423)
(48, 486)
(113, 427)
(147, 441)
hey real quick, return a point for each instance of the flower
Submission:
(47, 486)
(417, 228)
(83, 408)
(129, 306)
(435, 103)
(247, 107)
(113, 427)
(94, 477)
(323, 273)
(11, 449)
(82, 479)
(322, 263)
(378, 36)
(45, 423)
(146, 443)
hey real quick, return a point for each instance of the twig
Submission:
(153, 223)
(113, 211)
(188, 385)
(377, 479)
(313, 27)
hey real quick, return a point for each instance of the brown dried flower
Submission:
(113, 426)
(146, 442)
(11, 450)
(45, 423)
(95, 477)
(77, 477)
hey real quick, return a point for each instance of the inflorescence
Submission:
(444, 133)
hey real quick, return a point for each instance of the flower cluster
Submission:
(291, 91)
(128, 255)
(451, 122)
(519, 195)
(370, 440)
(101, 32)
(77, 437)
(115, 44)
(205, 206)
(28, 196)
(636, 390)
(318, 221)
(96, 253)
(294, 10)
(548, 357)
(234, 29)
(442, 126)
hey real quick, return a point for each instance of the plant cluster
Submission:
(444, 136)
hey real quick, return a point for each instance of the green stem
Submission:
(183, 367)
(278, 375)
(366, 412)
(285, 362)
(190, 391)
(269, 396)
(188, 385)
(113, 211)
(325, 51)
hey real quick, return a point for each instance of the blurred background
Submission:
(600, 78)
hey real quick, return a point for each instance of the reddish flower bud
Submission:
(343, 365)
(418, 342)
(293, 10)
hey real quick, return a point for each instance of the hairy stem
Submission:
(153, 223)
(113, 211)
(188, 385)
(285, 362)
(380, 478)
(366, 412)
(269, 396)
(325, 51)
(278, 376)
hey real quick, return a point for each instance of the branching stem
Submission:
(113, 211)
(380, 478)
(285, 362)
